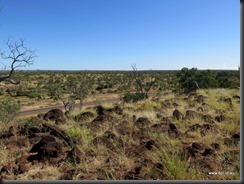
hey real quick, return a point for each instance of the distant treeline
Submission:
(36, 83)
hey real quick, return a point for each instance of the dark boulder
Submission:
(42, 142)
(56, 115)
(208, 152)
(46, 149)
(142, 122)
(236, 97)
(100, 121)
(220, 118)
(190, 114)
(100, 110)
(83, 116)
(208, 119)
(177, 114)
(75, 155)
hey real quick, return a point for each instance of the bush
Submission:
(8, 110)
(134, 97)
(21, 92)
(31, 122)
(33, 95)
(41, 115)
(190, 78)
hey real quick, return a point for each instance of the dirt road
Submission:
(35, 112)
(46, 109)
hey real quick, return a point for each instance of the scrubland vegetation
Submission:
(167, 125)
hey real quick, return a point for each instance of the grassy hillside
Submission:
(191, 136)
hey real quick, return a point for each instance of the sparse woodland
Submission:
(167, 125)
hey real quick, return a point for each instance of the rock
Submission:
(208, 119)
(12, 131)
(190, 114)
(172, 126)
(54, 130)
(166, 104)
(35, 129)
(43, 141)
(195, 149)
(68, 175)
(225, 99)
(200, 99)
(206, 128)
(83, 116)
(5, 169)
(208, 152)
(159, 116)
(122, 130)
(197, 146)
(46, 149)
(75, 155)
(177, 114)
(100, 121)
(175, 105)
(118, 110)
(149, 144)
(134, 118)
(194, 127)
(142, 122)
(56, 115)
(173, 131)
(165, 120)
(215, 146)
(100, 110)
(110, 135)
(220, 118)
(236, 97)
(51, 149)
(236, 136)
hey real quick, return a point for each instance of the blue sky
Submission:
(113, 34)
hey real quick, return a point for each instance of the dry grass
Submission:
(167, 159)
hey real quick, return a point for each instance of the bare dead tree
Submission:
(19, 56)
(142, 85)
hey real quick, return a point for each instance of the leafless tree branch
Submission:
(19, 56)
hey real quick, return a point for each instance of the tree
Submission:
(228, 79)
(143, 85)
(207, 79)
(81, 91)
(78, 87)
(188, 79)
(19, 56)
(56, 91)
(193, 79)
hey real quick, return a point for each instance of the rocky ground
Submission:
(169, 137)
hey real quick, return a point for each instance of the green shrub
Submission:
(31, 122)
(8, 110)
(134, 97)
(41, 115)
